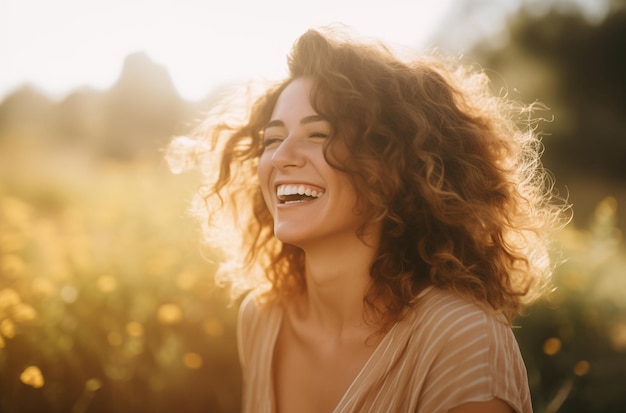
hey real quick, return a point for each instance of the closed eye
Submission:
(271, 141)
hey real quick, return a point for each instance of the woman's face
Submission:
(310, 201)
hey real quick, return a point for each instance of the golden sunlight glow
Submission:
(201, 43)
(108, 284)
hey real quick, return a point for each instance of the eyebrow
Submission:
(303, 121)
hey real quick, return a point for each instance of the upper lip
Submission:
(309, 184)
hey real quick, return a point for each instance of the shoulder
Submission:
(251, 313)
(462, 327)
(258, 319)
(473, 354)
(246, 320)
(248, 310)
(449, 315)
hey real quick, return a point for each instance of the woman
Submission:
(400, 221)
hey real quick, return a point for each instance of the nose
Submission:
(288, 154)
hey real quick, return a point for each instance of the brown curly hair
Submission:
(437, 159)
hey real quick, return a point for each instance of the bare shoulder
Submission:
(489, 406)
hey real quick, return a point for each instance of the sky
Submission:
(64, 44)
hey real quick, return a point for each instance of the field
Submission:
(107, 301)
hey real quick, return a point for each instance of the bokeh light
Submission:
(31, 376)
(552, 346)
(7, 328)
(582, 368)
(169, 314)
(134, 329)
(192, 360)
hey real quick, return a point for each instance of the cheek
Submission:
(264, 170)
(349, 197)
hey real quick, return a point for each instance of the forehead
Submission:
(294, 101)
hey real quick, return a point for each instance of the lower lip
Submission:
(295, 204)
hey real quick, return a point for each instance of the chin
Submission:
(290, 233)
(288, 237)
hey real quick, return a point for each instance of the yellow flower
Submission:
(31, 376)
(9, 297)
(23, 312)
(7, 328)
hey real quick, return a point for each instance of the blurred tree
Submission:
(559, 53)
(80, 117)
(570, 59)
(577, 68)
(25, 112)
(136, 117)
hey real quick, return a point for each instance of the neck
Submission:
(337, 277)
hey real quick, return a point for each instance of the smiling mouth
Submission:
(288, 194)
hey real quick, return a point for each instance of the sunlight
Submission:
(62, 45)
(110, 297)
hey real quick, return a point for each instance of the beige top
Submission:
(445, 352)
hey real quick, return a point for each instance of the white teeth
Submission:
(285, 190)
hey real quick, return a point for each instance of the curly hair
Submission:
(439, 162)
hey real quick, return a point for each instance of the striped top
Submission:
(447, 351)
